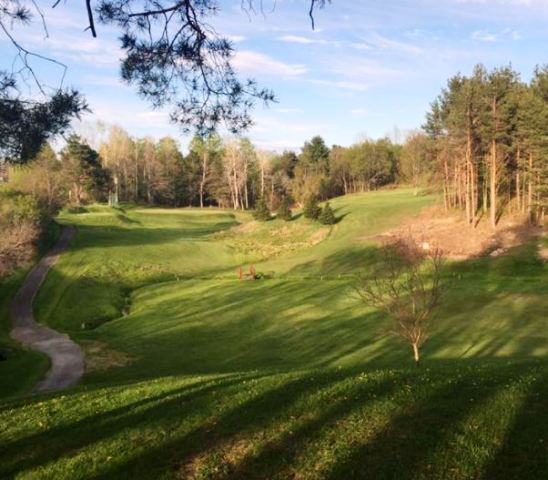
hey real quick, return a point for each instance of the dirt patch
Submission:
(100, 357)
(433, 228)
(269, 240)
(247, 227)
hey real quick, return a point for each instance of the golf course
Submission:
(194, 373)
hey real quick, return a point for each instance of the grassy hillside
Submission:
(194, 374)
(20, 369)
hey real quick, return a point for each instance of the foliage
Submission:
(261, 212)
(284, 210)
(25, 125)
(172, 53)
(487, 143)
(44, 178)
(20, 221)
(233, 173)
(327, 217)
(311, 209)
(87, 178)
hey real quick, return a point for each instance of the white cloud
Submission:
(297, 39)
(384, 43)
(342, 84)
(321, 41)
(236, 38)
(258, 63)
(486, 36)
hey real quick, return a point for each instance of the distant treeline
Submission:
(484, 146)
(229, 173)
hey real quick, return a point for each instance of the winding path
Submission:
(67, 358)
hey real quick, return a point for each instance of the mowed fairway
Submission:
(194, 374)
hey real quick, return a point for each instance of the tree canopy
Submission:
(172, 55)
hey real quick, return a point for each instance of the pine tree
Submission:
(261, 212)
(311, 208)
(284, 212)
(327, 217)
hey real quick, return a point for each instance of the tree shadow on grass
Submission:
(216, 408)
(418, 424)
(245, 417)
(285, 415)
(402, 447)
(524, 453)
(41, 448)
(279, 455)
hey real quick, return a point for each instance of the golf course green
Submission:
(195, 374)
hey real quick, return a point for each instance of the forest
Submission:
(483, 147)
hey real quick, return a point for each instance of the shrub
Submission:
(327, 217)
(262, 213)
(311, 208)
(20, 219)
(284, 212)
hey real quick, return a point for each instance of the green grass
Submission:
(198, 375)
(21, 369)
(457, 421)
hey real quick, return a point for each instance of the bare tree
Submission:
(407, 286)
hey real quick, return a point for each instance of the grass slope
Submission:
(20, 369)
(198, 375)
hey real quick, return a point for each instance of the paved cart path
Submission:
(66, 356)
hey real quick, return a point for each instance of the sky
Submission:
(369, 69)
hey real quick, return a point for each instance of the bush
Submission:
(20, 219)
(327, 217)
(17, 208)
(261, 213)
(284, 212)
(311, 209)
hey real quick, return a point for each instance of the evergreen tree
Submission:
(82, 165)
(327, 217)
(284, 212)
(311, 208)
(261, 212)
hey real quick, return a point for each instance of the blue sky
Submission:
(369, 66)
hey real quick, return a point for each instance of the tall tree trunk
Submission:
(262, 179)
(246, 193)
(530, 189)
(493, 185)
(474, 187)
(445, 185)
(203, 179)
(271, 192)
(493, 168)
(518, 193)
(467, 192)
(458, 184)
(468, 177)
(136, 190)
